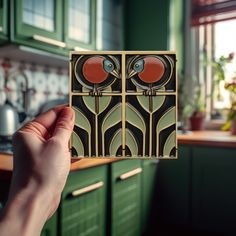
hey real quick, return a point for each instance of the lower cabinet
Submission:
(83, 204)
(213, 190)
(125, 202)
(173, 189)
(148, 191)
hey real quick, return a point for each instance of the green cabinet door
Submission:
(126, 198)
(4, 4)
(83, 204)
(38, 23)
(80, 24)
(214, 192)
(50, 228)
(173, 189)
(148, 191)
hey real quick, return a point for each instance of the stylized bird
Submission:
(149, 69)
(96, 69)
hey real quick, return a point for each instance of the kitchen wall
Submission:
(44, 84)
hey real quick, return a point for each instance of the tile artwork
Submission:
(124, 103)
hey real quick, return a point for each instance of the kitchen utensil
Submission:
(9, 120)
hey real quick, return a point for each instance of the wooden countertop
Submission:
(6, 163)
(205, 138)
(208, 138)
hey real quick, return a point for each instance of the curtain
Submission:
(211, 11)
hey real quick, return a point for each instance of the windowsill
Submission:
(214, 124)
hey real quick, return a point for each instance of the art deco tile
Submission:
(96, 73)
(125, 104)
(98, 126)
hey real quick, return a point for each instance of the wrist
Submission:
(26, 212)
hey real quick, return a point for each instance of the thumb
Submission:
(64, 125)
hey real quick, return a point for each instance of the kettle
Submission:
(9, 120)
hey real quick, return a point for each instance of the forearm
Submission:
(25, 214)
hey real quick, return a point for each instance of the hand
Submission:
(41, 166)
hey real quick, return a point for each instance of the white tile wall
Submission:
(45, 84)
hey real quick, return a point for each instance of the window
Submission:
(214, 26)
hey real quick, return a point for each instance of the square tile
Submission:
(125, 104)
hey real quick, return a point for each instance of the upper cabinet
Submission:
(3, 20)
(79, 24)
(39, 23)
(59, 26)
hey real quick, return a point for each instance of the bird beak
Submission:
(132, 73)
(115, 73)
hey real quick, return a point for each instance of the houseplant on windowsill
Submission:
(219, 67)
(231, 117)
(195, 110)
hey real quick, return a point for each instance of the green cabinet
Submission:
(213, 190)
(83, 204)
(149, 176)
(3, 20)
(54, 25)
(173, 189)
(196, 192)
(80, 23)
(38, 23)
(50, 228)
(125, 198)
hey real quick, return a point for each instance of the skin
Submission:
(41, 166)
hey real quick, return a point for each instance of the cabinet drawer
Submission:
(83, 205)
(126, 197)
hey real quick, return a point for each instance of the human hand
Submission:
(41, 166)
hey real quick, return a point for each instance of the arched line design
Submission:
(112, 118)
(169, 144)
(164, 122)
(130, 142)
(82, 122)
(77, 144)
(135, 118)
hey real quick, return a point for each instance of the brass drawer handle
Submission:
(49, 41)
(130, 173)
(87, 189)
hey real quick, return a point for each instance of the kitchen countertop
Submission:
(6, 163)
(208, 138)
(205, 138)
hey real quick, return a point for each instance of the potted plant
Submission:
(219, 67)
(230, 123)
(195, 110)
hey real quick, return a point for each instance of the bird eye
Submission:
(110, 65)
(137, 65)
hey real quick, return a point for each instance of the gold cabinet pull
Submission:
(49, 41)
(87, 189)
(130, 173)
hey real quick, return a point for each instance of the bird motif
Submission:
(97, 69)
(149, 69)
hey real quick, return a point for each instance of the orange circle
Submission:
(153, 70)
(93, 70)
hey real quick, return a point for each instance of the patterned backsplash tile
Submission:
(43, 84)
